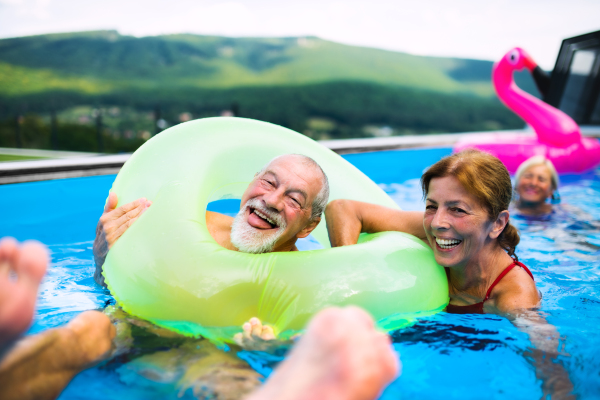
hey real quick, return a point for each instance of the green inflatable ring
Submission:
(168, 269)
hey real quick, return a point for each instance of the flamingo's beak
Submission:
(528, 61)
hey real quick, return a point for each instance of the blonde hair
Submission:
(485, 177)
(534, 162)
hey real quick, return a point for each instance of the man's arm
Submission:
(346, 219)
(112, 224)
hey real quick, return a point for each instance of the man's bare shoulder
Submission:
(218, 220)
(219, 227)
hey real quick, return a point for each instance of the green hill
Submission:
(322, 88)
(100, 62)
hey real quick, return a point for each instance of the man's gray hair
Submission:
(320, 201)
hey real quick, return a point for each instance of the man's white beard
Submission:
(248, 239)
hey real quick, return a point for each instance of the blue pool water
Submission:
(449, 356)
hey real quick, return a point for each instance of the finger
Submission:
(115, 227)
(113, 236)
(111, 202)
(145, 206)
(114, 219)
(267, 333)
(131, 214)
(125, 208)
(256, 327)
(238, 338)
(247, 331)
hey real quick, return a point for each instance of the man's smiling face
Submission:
(276, 207)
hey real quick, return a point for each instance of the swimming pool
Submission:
(454, 356)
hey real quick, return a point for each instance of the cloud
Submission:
(229, 18)
(36, 9)
(461, 28)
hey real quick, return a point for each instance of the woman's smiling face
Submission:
(456, 223)
(535, 185)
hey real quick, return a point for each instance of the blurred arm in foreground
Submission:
(341, 356)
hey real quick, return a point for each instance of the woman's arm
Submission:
(346, 219)
(543, 355)
(517, 298)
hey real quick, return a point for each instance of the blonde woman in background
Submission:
(536, 181)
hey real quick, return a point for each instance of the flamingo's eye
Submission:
(513, 57)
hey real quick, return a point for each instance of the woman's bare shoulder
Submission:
(516, 291)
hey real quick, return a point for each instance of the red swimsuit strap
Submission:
(506, 271)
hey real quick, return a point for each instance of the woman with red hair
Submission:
(466, 223)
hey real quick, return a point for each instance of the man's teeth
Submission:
(447, 243)
(263, 216)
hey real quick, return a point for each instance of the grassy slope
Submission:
(12, 157)
(16, 80)
(101, 62)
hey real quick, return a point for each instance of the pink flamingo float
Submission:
(558, 137)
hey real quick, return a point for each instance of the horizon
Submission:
(233, 37)
(465, 29)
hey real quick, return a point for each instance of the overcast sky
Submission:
(459, 28)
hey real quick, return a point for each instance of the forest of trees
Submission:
(106, 92)
(347, 106)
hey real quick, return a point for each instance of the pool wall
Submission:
(93, 164)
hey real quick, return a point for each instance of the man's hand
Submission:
(113, 223)
(255, 336)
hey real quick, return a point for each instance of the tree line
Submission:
(350, 106)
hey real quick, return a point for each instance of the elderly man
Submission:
(282, 204)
